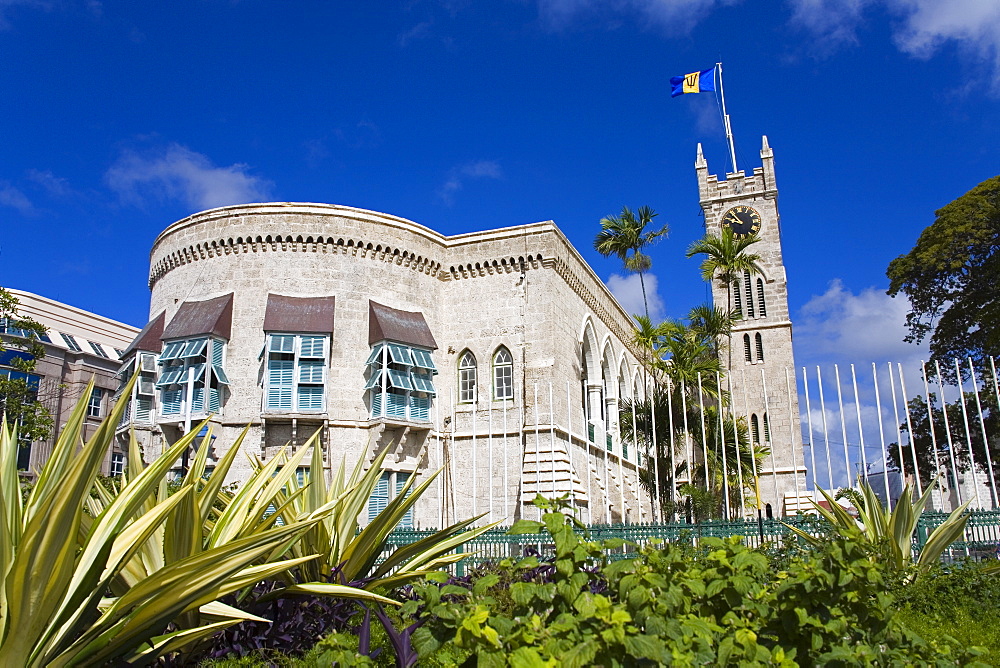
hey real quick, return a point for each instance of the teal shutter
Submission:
(214, 401)
(420, 409)
(194, 348)
(280, 374)
(400, 354)
(198, 400)
(311, 371)
(312, 346)
(282, 343)
(407, 521)
(422, 359)
(171, 402)
(380, 496)
(395, 405)
(377, 403)
(310, 398)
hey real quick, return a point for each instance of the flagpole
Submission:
(725, 118)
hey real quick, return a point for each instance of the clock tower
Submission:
(763, 380)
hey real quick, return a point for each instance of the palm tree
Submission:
(625, 237)
(726, 259)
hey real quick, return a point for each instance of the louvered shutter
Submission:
(420, 409)
(310, 398)
(311, 371)
(312, 346)
(198, 400)
(214, 400)
(171, 404)
(280, 374)
(380, 496)
(395, 405)
(143, 409)
(282, 343)
(407, 521)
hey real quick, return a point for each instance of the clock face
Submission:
(742, 220)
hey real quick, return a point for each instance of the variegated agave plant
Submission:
(146, 549)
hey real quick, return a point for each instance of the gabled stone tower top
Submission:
(737, 185)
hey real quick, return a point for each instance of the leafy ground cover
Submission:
(719, 603)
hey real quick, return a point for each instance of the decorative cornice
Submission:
(297, 244)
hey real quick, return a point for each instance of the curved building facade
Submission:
(498, 356)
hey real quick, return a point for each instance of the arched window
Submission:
(748, 287)
(467, 377)
(503, 374)
(755, 428)
(761, 308)
(738, 299)
(746, 348)
(760, 346)
(767, 429)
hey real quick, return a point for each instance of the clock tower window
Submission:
(748, 287)
(746, 348)
(760, 298)
(760, 346)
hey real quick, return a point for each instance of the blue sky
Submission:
(119, 118)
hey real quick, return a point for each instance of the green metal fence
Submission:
(982, 534)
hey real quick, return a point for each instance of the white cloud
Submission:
(5, 6)
(458, 176)
(178, 173)
(421, 30)
(924, 26)
(974, 25)
(14, 198)
(840, 326)
(628, 291)
(835, 21)
(56, 186)
(677, 15)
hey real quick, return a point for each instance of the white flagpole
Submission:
(930, 425)
(475, 469)
(491, 476)
(812, 437)
(909, 434)
(968, 432)
(982, 425)
(725, 117)
(508, 512)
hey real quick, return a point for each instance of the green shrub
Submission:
(956, 603)
(726, 604)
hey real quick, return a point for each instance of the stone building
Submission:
(499, 355)
(763, 366)
(78, 346)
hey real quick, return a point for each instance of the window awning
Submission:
(299, 314)
(212, 316)
(389, 324)
(149, 338)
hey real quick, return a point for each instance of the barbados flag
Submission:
(696, 82)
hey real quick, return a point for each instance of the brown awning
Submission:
(299, 314)
(149, 338)
(212, 316)
(389, 324)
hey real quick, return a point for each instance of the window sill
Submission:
(401, 422)
(291, 415)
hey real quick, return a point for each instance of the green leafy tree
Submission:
(950, 277)
(726, 259)
(18, 388)
(625, 236)
(681, 356)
